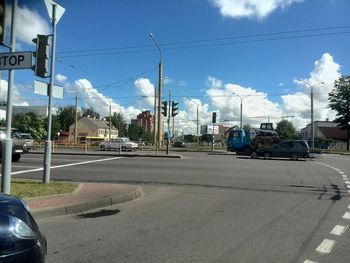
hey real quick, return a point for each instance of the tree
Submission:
(286, 129)
(66, 117)
(134, 132)
(247, 128)
(90, 112)
(119, 123)
(339, 101)
(30, 123)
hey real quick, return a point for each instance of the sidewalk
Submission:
(87, 196)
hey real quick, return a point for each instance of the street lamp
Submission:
(241, 97)
(159, 124)
(311, 86)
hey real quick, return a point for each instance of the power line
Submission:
(172, 46)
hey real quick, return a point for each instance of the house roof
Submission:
(96, 123)
(334, 133)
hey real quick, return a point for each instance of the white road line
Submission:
(341, 172)
(309, 261)
(339, 230)
(348, 186)
(326, 246)
(346, 215)
(347, 182)
(66, 165)
(25, 166)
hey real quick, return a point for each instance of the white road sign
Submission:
(16, 60)
(42, 89)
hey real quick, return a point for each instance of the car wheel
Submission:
(267, 155)
(123, 148)
(254, 155)
(247, 151)
(294, 157)
(306, 155)
(16, 157)
(102, 148)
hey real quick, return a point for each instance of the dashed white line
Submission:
(347, 182)
(346, 215)
(339, 230)
(309, 261)
(326, 246)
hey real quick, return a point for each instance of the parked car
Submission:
(293, 149)
(17, 147)
(20, 237)
(26, 139)
(123, 144)
(179, 144)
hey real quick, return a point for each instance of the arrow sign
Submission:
(59, 9)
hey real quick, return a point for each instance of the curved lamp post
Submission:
(159, 128)
(311, 86)
(241, 97)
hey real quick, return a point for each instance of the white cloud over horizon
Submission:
(220, 97)
(250, 8)
(17, 99)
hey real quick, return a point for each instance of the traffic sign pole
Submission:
(47, 155)
(7, 142)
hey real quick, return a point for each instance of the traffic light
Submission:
(41, 56)
(165, 108)
(2, 20)
(174, 109)
(214, 118)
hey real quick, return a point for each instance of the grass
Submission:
(31, 188)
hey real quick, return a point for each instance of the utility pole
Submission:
(155, 120)
(7, 142)
(76, 121)
(110, 119)
(160, 68)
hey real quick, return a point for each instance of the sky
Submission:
(269, 52)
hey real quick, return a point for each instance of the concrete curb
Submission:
(113, 154)
(85, 206)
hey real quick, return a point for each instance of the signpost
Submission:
(16, 60)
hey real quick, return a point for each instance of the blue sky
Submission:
(210, 49)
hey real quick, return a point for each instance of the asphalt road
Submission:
(205, 208)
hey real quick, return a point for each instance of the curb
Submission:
(85, 206)
(113, 154)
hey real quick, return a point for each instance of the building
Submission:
(93, 129)
(145, 120)
(324, 129)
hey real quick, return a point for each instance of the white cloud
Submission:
(250, 8)
(325, 70)
(17, 99)
(61, 78)
(145, 89)
(29, 24)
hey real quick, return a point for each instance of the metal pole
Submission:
(47, 156)
(76, 121)
(7, 142)
(312, 117)
(155, 119)
(169, 114)
(160, 105)
(197, 129)
(110, 119)
(241, 112)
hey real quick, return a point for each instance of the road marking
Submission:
(309, 261)
(347, 182)
(339, 230)
(346, 215)
(341, 172)
(66, 165)
(326, 246)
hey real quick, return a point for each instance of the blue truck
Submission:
(246, 143)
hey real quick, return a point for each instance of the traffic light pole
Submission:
(47, 155)
(7, 142)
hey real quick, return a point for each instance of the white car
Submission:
(123, 144)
